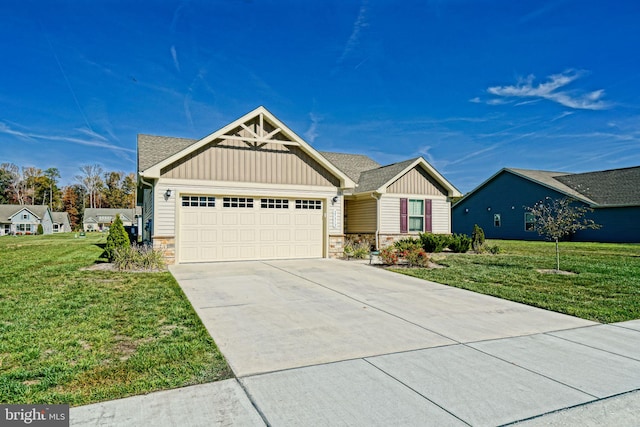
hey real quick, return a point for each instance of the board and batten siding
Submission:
(165, 213)
(417, 181)
(237, 162)
(390, 214)
(361, 216)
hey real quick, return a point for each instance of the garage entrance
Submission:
(230, 228)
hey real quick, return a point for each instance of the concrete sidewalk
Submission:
(322, 342)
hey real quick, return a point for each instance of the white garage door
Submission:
(226, 228)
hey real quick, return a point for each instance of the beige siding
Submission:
(164, 211)
(361, 216)
(441, 217)
(390, 214)
(417, 181)
(238, 161)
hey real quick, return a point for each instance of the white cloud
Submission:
(174, 55)
(549, 90)
(354, 38)
(312, 133)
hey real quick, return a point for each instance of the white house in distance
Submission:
(256, 190)
(99, 219)
(61, 223)
(24, 219)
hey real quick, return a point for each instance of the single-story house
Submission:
(99, 219)
(256, 190)
(24, 219)
(498, 204)
(61, 223)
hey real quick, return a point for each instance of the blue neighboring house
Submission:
(498, 204)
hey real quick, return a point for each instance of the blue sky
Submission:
(472, 86)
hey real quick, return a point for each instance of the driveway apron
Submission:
(324, 342)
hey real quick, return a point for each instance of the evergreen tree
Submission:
(117, 238)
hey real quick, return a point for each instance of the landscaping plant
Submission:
(557, 218)
(389, 256)
(477, 238)
(460, 243)
(117, 238)
(434, 242)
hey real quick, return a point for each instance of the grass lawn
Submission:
(77, 337)
(606, 287)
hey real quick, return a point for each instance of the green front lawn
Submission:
(606, 287)
(75, 336)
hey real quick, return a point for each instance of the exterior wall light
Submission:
(167, 193)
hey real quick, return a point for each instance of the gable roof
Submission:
(370, 176)
(154, 153)
(9, 211)
(614, 187)
(60, 217)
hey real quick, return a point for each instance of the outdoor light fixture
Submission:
(489, 208)
(466, 210)
(167, 193)
(335, 199)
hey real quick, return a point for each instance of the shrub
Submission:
(357, 248)
(493, 249)
(434, 242)
(416, 257)
(460, 243)
(477, 238)
(408, 243)
(389, 255)
(40, 230)
(117, 238)
(134, 257)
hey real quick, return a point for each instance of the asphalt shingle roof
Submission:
(609, 187)
(7, 211)
(153, 149)
(352, 165)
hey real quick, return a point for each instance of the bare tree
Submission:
(17, 183)
(92, 182)
(557, 218)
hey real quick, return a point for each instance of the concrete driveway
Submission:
(324, 342)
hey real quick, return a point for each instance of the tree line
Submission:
(91, 188)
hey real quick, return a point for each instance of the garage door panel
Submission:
(277, 230)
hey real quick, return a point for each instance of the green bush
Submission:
(493, 249)
(117, 238)
(40, 229)
(408, 243)
(460, 243)
(357, 248)
(135, 257)
(477, 238)
(434, 242)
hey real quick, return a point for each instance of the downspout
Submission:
(150, 185)
(377, 198)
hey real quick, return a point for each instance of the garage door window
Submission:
(237, 202)
(199, 201)
(308, 204)
(274, 203)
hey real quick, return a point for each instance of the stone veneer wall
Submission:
(336, 246)
(167, 244)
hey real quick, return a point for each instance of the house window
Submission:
(237, 202)
(25, 216)
(308, 204)
(497, 221)
(199, 201)
(274, 203)
(416, 215)
(55, 227)
(24, 227)
(529, 222)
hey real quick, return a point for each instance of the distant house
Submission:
(61, 223)
(24, 219)
(255, 190)
(498, 204)
(99, 219)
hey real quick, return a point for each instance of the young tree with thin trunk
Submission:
(558, 218)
